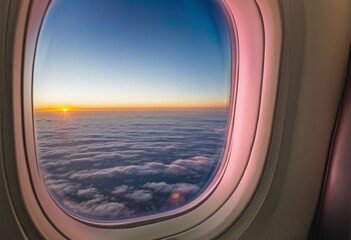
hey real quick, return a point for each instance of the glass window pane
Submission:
(131, 104)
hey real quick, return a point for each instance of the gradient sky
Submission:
(132, 54)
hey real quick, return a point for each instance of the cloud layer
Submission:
(117, 165)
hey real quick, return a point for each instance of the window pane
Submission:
(131, 104)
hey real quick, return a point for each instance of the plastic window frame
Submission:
(253, 102)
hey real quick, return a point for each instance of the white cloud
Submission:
(140, 195)
(120, 190)
(183, 188)
(86, 192)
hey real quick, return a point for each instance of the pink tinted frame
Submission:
(252, 109)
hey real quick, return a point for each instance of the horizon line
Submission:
(73, 109)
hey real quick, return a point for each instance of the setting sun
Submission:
(65, 110)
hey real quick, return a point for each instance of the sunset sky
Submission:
(109, 54)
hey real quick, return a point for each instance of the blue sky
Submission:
(131, 54)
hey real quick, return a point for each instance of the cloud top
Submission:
(118, 165)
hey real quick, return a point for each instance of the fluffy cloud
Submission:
(65, 188)
(86, 192)
(183, 188)
(140, 195)
(115, 165)
(120, 190)
(180, 167)
(97, 208)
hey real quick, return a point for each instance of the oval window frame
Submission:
(243, 168)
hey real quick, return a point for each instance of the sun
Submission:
(65, 113)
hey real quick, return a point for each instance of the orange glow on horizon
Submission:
(116, 108)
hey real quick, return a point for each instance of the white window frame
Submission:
(256, 26)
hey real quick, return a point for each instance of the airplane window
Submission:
(131, 104)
